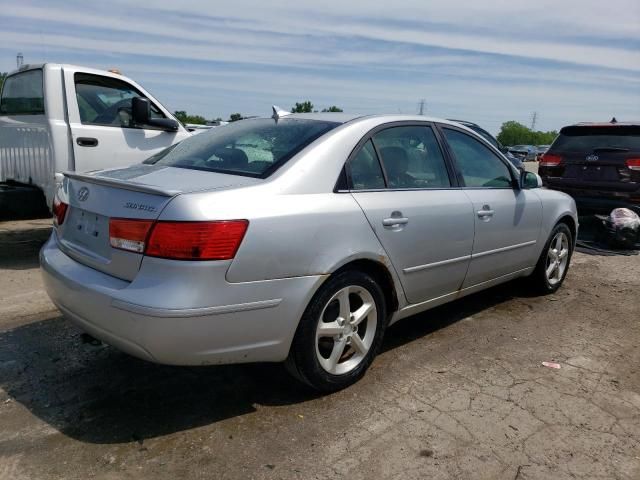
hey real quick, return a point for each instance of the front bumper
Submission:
(180, 313)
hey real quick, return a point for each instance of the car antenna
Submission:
(278, 113)
(613, 120)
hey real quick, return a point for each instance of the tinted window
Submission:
(589, 139)
(365, 169)
(412, 158)
(22, 94)
(249, 147)
(106, 101)
(479, 166)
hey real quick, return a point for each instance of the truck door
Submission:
(102, 129)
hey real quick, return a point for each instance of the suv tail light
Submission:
(218, 240)
(550, 160)
(59, 211)
(633, 164)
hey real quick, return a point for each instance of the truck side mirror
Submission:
(141, 113)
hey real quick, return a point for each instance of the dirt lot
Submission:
(459, 392)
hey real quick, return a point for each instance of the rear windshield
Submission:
(22, 94)
(253, 148)
(589, 139)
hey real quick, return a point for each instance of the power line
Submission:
(534, 118)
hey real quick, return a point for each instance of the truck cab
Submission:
(56, 118)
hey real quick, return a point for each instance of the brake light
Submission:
(59, 211)
(217, 240)
(129, 235)
(633, 164)
(550, 160)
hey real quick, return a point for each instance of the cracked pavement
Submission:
(458, 392)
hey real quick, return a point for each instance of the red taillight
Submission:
(127, 234)
(633, 164)
(550, 160)
(196, 240)
(59, 211)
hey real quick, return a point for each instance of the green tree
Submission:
(332, 108)
(234, 117)
(514, 133)
(304, 107)
(184, 117)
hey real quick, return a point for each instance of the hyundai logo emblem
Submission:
(83, 194)
(592, 158)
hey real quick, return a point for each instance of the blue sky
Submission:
(487, 61)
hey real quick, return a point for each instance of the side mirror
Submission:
(530, 180)
(141, 113)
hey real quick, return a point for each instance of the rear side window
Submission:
(253, 148)
(479, 166)
(412, 158)
(107, 101)
(22, 94)
(365, 170)
(592, 139)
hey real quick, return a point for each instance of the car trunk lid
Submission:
(136, 193)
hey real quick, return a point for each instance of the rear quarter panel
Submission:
(555, 206)
(289, 235)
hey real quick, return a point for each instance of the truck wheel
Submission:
(340, 332)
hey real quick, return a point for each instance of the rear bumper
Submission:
(161, 317)
(597, 201)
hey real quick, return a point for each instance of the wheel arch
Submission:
(381, 273)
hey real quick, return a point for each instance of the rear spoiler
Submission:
(125, 185)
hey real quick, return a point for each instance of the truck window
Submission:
(107, 101)
(22, 94)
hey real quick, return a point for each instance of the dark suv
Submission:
(598, 164)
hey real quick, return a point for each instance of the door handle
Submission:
(87, 141)
(393, 221)
(485, 212)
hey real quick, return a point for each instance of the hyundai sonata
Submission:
(297, 238)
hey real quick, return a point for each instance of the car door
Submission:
(103, 134)
(407, 190)
(507, 218)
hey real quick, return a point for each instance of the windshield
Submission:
(255, 147)
(589, 139)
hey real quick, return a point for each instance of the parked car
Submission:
(596, 163)
(541, 150)
(526, 153)
(297, 238)
(493, 141)
(55, 118)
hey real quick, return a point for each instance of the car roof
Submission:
(341, 117)
(605, 124)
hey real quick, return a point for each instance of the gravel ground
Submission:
(459, 392)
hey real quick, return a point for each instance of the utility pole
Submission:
(422, 105)
(534, 118)
(19, 60)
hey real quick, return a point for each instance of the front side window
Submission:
(479, 166)
(107, 101)
(254, 148)
(365, 170)
(22, 94)
(412, 157)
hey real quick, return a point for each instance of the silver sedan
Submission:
(298, 238)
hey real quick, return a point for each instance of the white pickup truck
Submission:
(56, 118)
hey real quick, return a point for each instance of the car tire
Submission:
(316, 357)
(545, 279)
